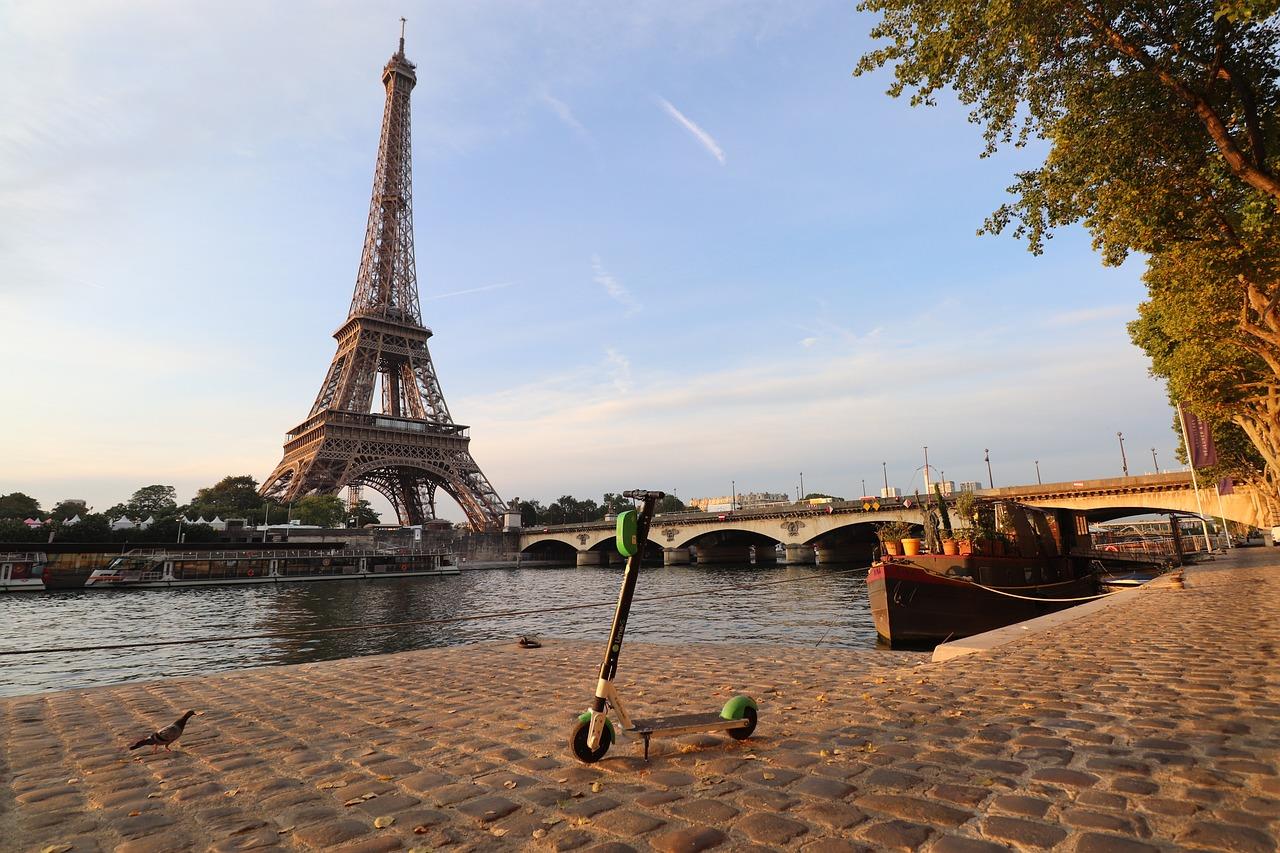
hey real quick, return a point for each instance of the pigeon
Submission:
(165, 736)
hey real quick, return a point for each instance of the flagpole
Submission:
(1217, 487)
(1195, 483)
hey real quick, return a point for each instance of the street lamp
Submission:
(1038, 480)
(884, 466)
(926, 469)
(991, 481)
(802, 492)
(1124, 462)
(1155, 460)
(733, 497)
(864, 485)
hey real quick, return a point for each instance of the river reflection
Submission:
(823, 605)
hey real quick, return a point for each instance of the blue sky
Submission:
(660, 244)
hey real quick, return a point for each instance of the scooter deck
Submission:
(679, 724)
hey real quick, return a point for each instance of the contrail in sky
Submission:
(498, 286)
(708, 142)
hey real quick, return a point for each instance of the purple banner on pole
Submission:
(1200, 446)
(1226, 486)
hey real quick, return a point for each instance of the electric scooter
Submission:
(593, 733)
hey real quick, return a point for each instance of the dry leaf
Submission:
(72, 780)
(596, 787)
(899, 737)
(499, 831)
(134, 813)
(335, 783)
(420, 829)
(153, 795)
(355, 802)
(768, 775)
(383, 822)
(282, 830)
(233, 792)
(367, 796)
(509, 784)
(56, 848)
(537, 833)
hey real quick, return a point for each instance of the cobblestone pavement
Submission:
(1153, 724)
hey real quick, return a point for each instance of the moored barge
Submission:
(926, 599)
(160, 568)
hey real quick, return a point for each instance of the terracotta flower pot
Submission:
(965, 546)
(892, 548)
(950, 547)
(910, 547)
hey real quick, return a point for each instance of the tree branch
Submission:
(1236, 159)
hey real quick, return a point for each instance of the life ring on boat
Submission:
(249, 573)
(1111, 548)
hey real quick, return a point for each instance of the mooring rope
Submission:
(1030, 598)
(446, 620)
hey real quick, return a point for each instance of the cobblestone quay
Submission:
(1153, 724)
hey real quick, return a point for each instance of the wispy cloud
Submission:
(564, 113)
(621, 370)
(497, 286)
(705, 139)
(616, 289)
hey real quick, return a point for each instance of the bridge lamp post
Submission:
(1038, 480)
(986, 456)
(1155, 460)
(802, 492)
(1124, 462)
(733, 495)
(884, 466)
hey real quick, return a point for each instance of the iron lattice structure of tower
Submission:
(412, 446)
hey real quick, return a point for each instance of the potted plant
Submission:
(965, 539)
(891, 537)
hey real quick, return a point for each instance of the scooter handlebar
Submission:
(643, 494)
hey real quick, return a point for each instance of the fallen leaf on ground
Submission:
(56, 848)
(509, 784)
(539, 833)
(596, 787)
(233, 792)
(420, 829)
(282, 830)
(499, 831)
(353, 802)
(134, 813)
(384, 821)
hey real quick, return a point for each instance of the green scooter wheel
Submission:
(578, 740)
(741, 708)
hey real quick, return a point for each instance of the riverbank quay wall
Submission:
(1150, 725)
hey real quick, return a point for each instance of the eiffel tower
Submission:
(411, 446)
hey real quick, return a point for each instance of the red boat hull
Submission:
(930, 599)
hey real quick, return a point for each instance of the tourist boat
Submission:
(152, 568)
(926, 599)
(21, 571)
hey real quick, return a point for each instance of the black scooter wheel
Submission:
(744, 732)
(578, 742)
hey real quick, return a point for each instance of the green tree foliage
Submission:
(69, 508)
(233, 496)
(671, 503)
(13, 530)
(157, 501)
(20, 506)
(365, 514)
(613, 502)
(322, 510)
(1163, 122)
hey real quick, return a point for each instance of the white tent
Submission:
(75, 519)
(218, 523)
(123, 523)
(151, 519)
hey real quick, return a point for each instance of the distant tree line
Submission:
(567, 509)
(230, 497)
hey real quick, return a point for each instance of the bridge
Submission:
(844, 531)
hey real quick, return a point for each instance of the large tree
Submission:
(1162, 126)
(230, 497)
(20, 506)
(69, 508)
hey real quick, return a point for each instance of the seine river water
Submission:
(814, 606)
